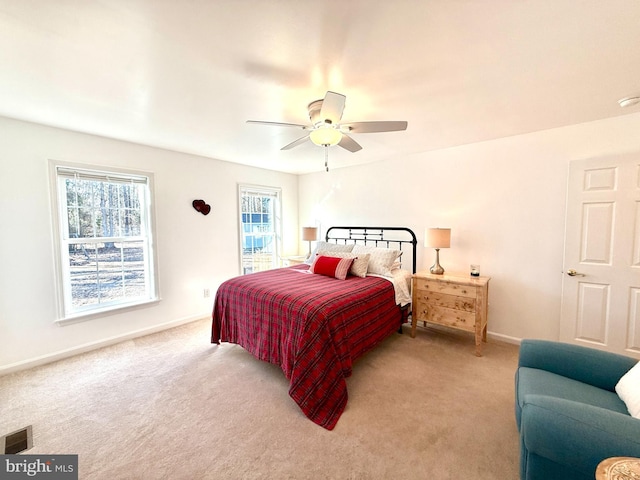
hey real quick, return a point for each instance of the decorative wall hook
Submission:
(201, 206)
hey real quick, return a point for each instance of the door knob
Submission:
(573, 273)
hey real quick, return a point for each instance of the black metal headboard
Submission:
(387, 237)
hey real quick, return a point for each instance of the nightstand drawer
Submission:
(455, 302)
(462, 320)
(445, 287)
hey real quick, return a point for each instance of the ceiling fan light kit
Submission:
(325, 129)
(325, 136)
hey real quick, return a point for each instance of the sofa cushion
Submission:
(532, 381)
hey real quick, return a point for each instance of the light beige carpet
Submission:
(173, 406)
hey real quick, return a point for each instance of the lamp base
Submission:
(436, 269)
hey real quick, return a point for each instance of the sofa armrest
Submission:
(588, 365)
(577, 435)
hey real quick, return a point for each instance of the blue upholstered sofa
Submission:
(567, 411)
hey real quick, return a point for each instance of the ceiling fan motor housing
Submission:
(315, 108)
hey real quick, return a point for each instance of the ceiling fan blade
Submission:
(278, 124)
(349, 143)
(295, 143)
(332, 107)
(374, 127)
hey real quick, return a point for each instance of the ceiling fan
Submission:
(326, 130)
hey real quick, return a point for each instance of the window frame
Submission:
(268, 191)
(66, 313)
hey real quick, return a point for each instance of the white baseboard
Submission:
(490, 335)
(504, 338)
(87, 347)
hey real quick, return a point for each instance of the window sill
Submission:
(103, 312)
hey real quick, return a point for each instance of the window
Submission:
(260, 227)
(105, 254)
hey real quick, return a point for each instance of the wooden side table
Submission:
(455, 301)
(618, 468)
(293, 260)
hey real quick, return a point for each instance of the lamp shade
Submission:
(309, 234)
(437, 237)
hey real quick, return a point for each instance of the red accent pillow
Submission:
(331, 266)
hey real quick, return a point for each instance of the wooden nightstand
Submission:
(455, 301)
(293, 260)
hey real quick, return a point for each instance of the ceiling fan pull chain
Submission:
(326, 157)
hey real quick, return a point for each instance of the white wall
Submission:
(504, 201)
(194, 251)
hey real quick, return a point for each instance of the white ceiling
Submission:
(186, 75)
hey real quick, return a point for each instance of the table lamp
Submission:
(437, 238)
(309, 234)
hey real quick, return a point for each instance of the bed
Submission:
(314, 325)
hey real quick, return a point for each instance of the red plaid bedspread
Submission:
(314, 327)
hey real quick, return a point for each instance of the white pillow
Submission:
(628, 389)
(381, 260)
(328, 247)
(359, 265)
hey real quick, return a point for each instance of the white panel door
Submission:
(601, 282)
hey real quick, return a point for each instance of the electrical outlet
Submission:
(207, 293)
